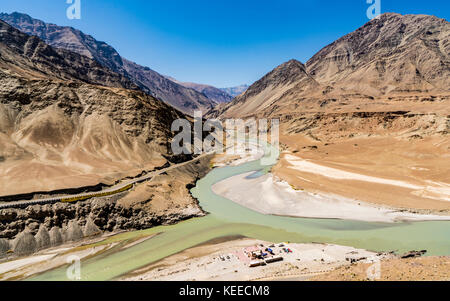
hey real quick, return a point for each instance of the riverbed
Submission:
(227, 218)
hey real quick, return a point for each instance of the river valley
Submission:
(227, 218)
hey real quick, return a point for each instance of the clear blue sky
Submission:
(218, 42)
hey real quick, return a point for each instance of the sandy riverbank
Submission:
(394, 269)
(430, 189)
(25, 267)
(302, 187)
(268, 195)
(385, 171)
(225, 261)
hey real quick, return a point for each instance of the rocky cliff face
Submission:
(60, 37)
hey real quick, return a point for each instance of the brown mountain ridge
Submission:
(67, 121)
(393, 57)
(63, 37)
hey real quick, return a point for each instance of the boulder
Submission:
(413, 254)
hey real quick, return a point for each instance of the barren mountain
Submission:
(67, 121)
(392, 54)
(213, 93)
(62, 37)
(394, 57)
(184, 99)
(279, 83)
(235, 91)
(375, 102)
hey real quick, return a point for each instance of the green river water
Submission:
(227, 218)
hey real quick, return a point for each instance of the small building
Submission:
(274, 259)
(255, 263)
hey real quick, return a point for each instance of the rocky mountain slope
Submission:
(277, 84)
(213, 93)
(61, 37)
(67, 121)
(394, 63)
(31, 57)
(395, 57)
(392, 54)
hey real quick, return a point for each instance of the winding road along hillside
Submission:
(124, 186)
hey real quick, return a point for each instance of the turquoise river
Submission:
(227, 218)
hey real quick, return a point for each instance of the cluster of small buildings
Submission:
(260, 255)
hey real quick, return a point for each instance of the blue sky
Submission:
(218, 42)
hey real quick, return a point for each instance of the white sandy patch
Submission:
(17, 264)
(329, 172)
(303, 179)
(438, 191)
(268, 195)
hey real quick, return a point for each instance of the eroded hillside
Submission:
(59, 128)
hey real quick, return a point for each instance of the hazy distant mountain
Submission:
(68, 121)
(211, 92)
(235, 91)
(186, 100)
(405, 58)
(263, 93)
